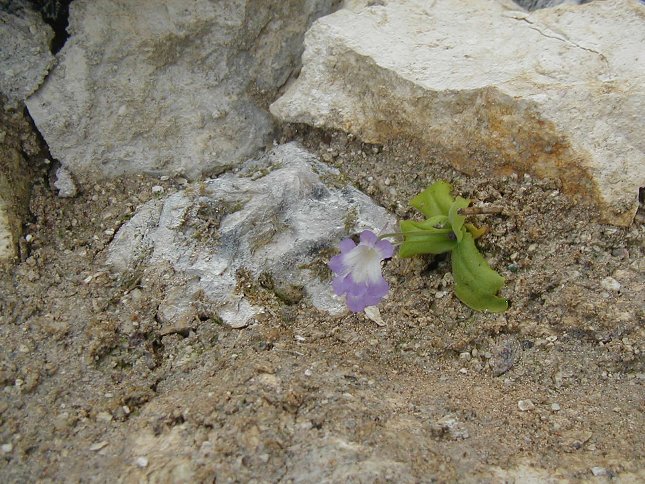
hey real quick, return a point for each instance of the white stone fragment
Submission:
(65, 183)
(598, 471)
(610, 284)
(525, 405)
(142, 462)
(374, 314)
(281, 216)
(98, 446)
(558, 92)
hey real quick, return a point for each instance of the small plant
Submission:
(358, 270)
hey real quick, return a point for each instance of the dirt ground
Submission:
(95, 390)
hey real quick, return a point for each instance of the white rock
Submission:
(558, 92)
(373, 313)
(25, 58)
(277, 216)
(104, 417)
(153, 86)
(610, 284)
(65, 183)
(598, 471)
(6, 448)
(98, 445)
(142, 462)
(525, 405)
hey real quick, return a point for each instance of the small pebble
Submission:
(6, 448)
(463, 371)
(98, 445)
(142, 462)
(308, 372)
(29, 237)
(525, 405)
(103, 417)
(555, 407)
(598, 471)
(610, 284)
(157, 189)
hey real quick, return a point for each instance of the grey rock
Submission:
(278, 218)
(531, 5)
(65, 183)
(558, 92)
(25, 58)
(505, 354)
(153, 86)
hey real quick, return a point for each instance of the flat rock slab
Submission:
(168, 87)
(559, 92)
(276, 221)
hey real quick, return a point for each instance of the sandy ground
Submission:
(94, 389)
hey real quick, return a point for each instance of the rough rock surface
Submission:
(25, 58)
(270, 222)
(557, 92)
(18, 144)
(157, 87)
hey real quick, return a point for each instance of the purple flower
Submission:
(358, 271)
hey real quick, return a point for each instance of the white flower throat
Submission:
(364, 264)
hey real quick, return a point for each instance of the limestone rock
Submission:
(65, 183)
(25, 58)
(277, 219)
(558, 92)
(157, 87)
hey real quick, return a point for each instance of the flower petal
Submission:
(336, 264)
(385, 248)
(347, 245)
(341, 285)
(355, 304)
(378, 290)
(368, 238)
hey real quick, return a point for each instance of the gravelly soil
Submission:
(94, 389)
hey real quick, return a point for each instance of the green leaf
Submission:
(434, 200)
(476, 284)
(436, 225)
(422, 238)
(456, 220)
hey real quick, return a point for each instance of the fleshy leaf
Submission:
(419, 240)
(457, 220)
(476, 284)
(434, 200)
